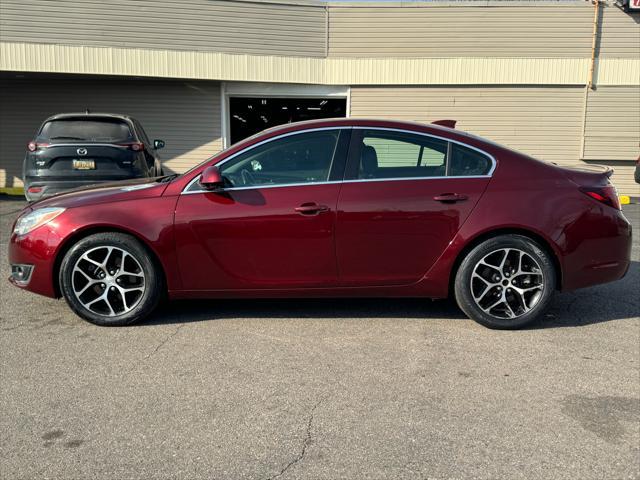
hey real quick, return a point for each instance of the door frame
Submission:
(274, 90)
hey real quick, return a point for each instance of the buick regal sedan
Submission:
(332, 208)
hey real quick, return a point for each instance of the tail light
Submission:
(136, 147)
(34, 189)
(607, 195)
(33, 146)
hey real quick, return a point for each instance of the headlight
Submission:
(36, 219)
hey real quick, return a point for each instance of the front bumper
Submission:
(36, 250)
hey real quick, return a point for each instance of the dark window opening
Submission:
(248, 116)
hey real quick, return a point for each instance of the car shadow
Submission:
(615, 301)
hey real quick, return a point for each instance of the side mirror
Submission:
(211, 178)
(158, 144)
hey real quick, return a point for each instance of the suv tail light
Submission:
(136, 147)
(607, 195)
(33, 146)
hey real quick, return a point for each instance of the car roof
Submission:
(366, 122)
(428, 128)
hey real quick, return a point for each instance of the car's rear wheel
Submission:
(505, 282)
(110, 279)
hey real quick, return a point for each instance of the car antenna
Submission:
(87, 111)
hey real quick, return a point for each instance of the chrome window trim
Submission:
(186, 191)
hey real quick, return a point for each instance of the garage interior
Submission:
(250, 115)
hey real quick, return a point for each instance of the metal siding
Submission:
(544, 31)
(184, 114)
(30, 57)
(612, 130)
(485, 31)
(619, 34)
(196, 25)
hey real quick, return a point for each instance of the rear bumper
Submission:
(51, 187)
(598, 249)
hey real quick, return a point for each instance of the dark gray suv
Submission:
(76, 149)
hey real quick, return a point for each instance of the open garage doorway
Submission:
(250, 115)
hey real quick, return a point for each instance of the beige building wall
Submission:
(545, 122)
(544, 30)
(612, 131)
(612, 128)
(195, 25)
(186, 115)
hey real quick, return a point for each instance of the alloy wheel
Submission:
(108, 281)
(507, 283)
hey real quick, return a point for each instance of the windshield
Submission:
(86, 130)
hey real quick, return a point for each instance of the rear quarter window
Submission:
(93, 130)
(466, 162)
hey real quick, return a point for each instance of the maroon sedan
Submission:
(332, 208)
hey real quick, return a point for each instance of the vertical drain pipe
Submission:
(592, 66)
(594, 42)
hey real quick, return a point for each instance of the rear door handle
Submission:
(311, 209)
(450, 197)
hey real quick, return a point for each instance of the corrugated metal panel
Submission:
(612, 129)
(30, 57)
(619, 34)
(198, 25)
(184, 114)
(462, 31)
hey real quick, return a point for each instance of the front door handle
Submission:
(450, 198)
(311, 209)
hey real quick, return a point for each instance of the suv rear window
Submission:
(93, 130)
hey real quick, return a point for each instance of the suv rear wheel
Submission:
(110, 279)
(505, 282)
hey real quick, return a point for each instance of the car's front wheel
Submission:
(505, 282)
(110, 279)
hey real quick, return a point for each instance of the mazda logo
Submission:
(82, 151)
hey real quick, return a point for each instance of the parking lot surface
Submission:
(321, 389)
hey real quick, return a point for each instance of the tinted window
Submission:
(386, 154)
(466, 162)
(299, 158)
(94, 130)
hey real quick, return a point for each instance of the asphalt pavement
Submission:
(321, 389)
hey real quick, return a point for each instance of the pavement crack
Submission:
(164, 341)
(305, 444)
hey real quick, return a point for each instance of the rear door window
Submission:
(390, 154)
(90, 130)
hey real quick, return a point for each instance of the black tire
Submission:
(489, 250)
(141, 306)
